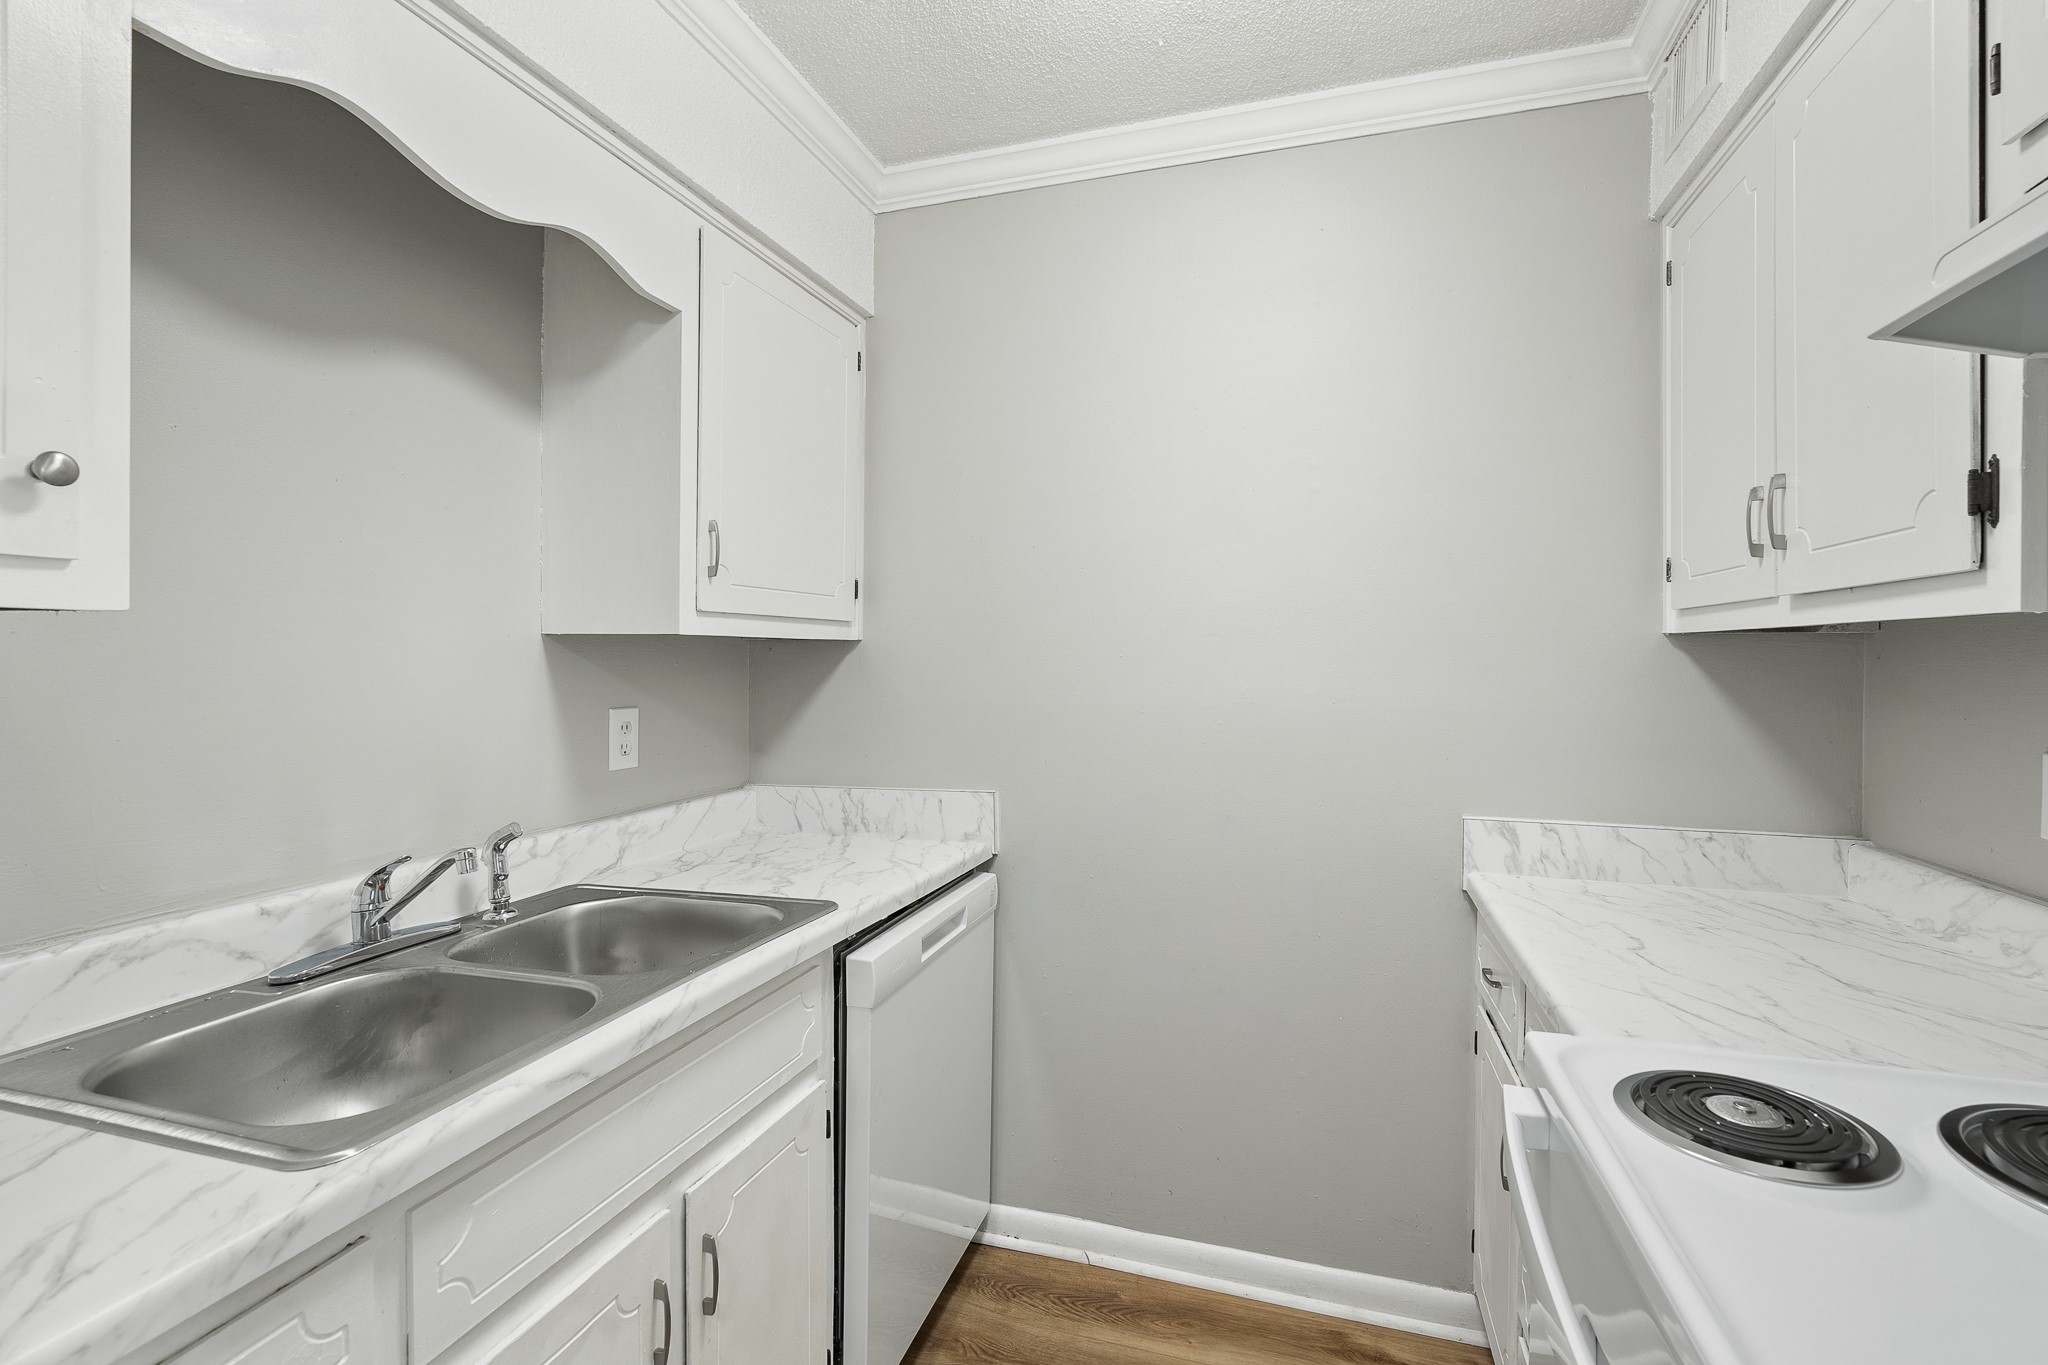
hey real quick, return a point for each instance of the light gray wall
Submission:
(1955, 723)
(334, 653)
(1246, 524)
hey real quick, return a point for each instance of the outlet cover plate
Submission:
(623, 737)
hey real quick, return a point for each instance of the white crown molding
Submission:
(1471, 92)
(1623, 66)
(738, 45)
(1656, 30)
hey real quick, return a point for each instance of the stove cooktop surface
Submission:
(1935, 1248)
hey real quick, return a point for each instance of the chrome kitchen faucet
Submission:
(372, 916)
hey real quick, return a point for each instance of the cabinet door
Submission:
(1718, 372)
(779, 454)
(2016, 105)
(2020, 104)
(331, 1317)
(1496, 1253)
(757, 1232)
(618, 1306)
(64, 95)
(1875, 166)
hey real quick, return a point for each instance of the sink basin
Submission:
(340, 1048)
(309, 1073)
(594, 932)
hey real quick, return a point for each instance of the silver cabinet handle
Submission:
(668, 1323)
(711, 1255)
(1775, 506)
(711, 570)
(54, 468)
(1493, 982)
(1751, 526)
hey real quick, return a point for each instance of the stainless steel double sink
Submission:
(302, 1075)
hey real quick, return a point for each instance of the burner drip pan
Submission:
(2006, 1143)
(1760, 1129)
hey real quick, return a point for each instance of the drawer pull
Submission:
(1492, 982)
(668, 1322)
(711, 1261)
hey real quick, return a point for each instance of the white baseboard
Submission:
(1350, 1294)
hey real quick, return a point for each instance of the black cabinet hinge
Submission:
(856, 590)
(1982, 492)
(828, 1123)
(1667, 570)
(859, 359)
(1475, 1241)
(1667, 273)
(1997, 74)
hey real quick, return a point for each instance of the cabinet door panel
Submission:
(1496, 1269)
(1873, 164)
(780, 467)
(330, 1317)
(2020, 28)
(616, 1308)
(758, 1238)
(1718, 355)
(64, 99)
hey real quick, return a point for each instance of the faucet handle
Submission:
(374, 890)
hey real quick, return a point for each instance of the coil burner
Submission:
(2007, 1143)
(1749, 1126)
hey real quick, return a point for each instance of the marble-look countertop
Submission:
(1810, 947)
(108, 1241)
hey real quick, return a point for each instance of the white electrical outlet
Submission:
(623, 737)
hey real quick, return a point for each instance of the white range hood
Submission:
(1989, 292)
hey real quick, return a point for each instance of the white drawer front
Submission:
(1500, 991)
(481, 1241)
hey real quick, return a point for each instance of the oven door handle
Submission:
(1565, 1340)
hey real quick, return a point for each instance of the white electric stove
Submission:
(1689, 1206)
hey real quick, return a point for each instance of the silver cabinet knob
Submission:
(54, 468)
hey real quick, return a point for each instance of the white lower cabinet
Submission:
(759, 1230)
(617, 1305)
(1496, 1253)
(685, 1213)
(330, 1317)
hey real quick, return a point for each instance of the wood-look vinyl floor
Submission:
(1009, 1308)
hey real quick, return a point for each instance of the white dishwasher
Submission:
(915, 1095)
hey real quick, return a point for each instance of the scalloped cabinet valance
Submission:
(702, 447)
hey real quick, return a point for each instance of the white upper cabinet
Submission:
(2015, 99)
(1718, 386)
(1815, 475)
(779, 459)
(700, 469)
(64, 305)
(1876, 440)
(627, 548)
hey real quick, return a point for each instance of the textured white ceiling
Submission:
(924, 78)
